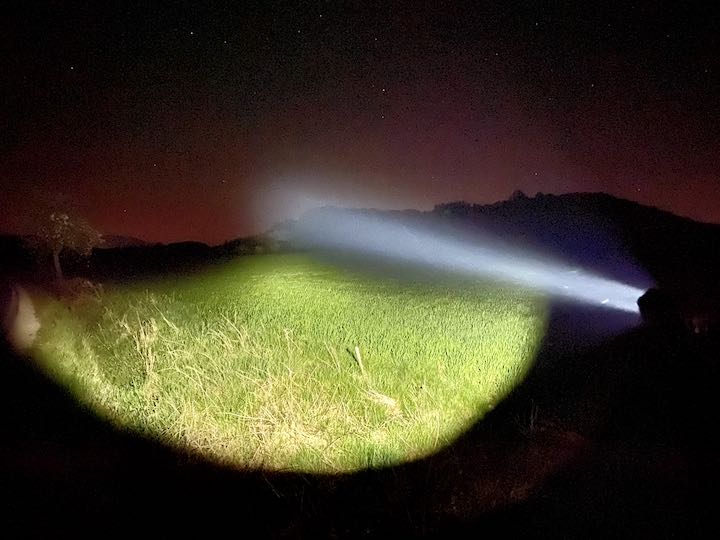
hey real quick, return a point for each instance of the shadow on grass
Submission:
(607, 436)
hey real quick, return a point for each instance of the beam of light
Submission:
(376, 235)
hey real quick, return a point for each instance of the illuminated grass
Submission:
(255, 363)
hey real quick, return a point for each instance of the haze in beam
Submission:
(375, 234)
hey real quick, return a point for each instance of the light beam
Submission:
(374, 234)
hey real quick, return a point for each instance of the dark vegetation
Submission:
(611, 434)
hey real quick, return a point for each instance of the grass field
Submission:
(256, 362)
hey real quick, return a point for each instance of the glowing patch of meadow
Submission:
(279, 362)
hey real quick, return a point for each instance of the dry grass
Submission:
(278, 362)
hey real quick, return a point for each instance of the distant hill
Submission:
(146, 260)
(112, 241)
(600, 230)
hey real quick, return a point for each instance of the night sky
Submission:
(200, 121)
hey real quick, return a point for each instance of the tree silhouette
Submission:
(64, 232)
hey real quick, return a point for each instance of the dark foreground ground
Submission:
(607, 440)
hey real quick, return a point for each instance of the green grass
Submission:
(254, 362)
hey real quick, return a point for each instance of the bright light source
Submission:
(377, 235)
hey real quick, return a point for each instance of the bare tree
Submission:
(64, 232)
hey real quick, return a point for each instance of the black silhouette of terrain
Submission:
(612, 434)
(594, 230)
